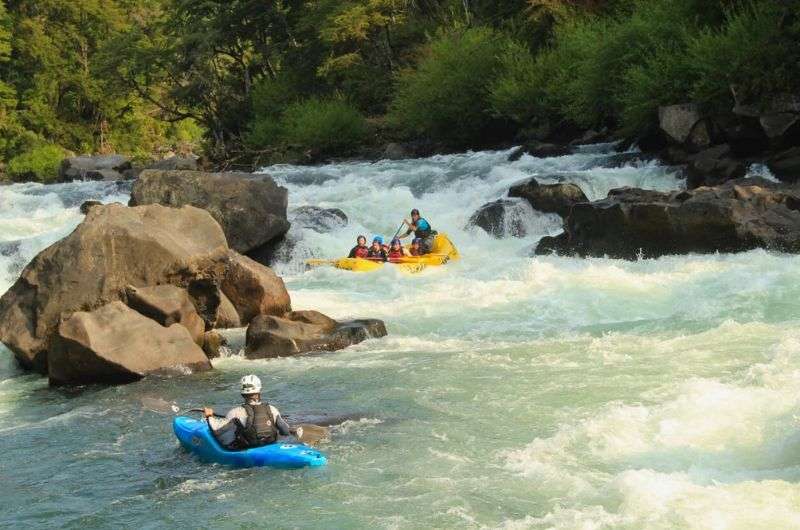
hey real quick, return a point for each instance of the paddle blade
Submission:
(320, 262)
(313, 434)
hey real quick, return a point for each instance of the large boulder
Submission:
(100, 167)
(175, 162)
(713, 166)
(549, 198)
(227, 315)
(250, 208)
(112, 248)
(735, 216)
(318, 219)
(254, 289)
(498, 219)
(115, 344)
(167, 305)
(305, 331)
(684, 124)
(786, 164)
(779, 115)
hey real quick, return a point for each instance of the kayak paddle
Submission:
(312, 434)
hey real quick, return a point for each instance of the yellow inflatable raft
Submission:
(443, 251)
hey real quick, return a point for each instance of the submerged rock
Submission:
(250, 208)
(306, 331)
(497, 219)
(115, 246)
(629, 223)
(318, 219)
(549, 198)
(115, 344)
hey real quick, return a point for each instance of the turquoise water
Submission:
(511, 392)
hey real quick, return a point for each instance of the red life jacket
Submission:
(394, 254)
(361, 252)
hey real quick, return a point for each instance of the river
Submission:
(512, 391)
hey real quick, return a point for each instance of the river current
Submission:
(512, 391)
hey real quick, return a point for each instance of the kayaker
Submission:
(376, 251)
(251, 424)
(414, 250)
(396, 250)
(422, 230)
(361, 250)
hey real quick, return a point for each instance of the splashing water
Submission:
(512, 392)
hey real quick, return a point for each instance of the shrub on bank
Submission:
(330, 125)
(40, 164)
(446, 97)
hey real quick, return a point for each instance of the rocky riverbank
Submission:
(136, 290)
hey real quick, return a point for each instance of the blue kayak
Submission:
(196, 437)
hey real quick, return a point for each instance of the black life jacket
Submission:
(260, 427)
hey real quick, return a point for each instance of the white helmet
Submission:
(251, 385)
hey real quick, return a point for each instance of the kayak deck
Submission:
(196, 437)
(442, 252)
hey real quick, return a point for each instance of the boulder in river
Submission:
(786, 164)
(254, 289)
(685, 125)
(115, 344)
(318, 219)
(167, 305)
(99, 167)
(549, 198)
(735, 216)
(713, 166)
(175, 162)
(115, 246)
(250, 208)
(497, 219)
(306, 331)
(227, 316)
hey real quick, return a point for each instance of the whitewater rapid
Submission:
(512, 391)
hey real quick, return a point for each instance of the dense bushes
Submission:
(446, 96)
(616, 70)
(326, 125)
(40, 164)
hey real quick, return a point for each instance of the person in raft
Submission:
(361, 250)
(414, 250)
(422, 230)
(396, 250)
(377, 252)
(251, 424)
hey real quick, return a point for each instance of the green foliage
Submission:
(757, 51)
(446, 96)
(328, 125)
(40, 164)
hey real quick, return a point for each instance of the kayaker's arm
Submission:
(410, 230)
(282, 425)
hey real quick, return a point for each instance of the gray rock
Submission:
(250, 208)
(714, 166)
(78, 167)
(678, 121)
(254, 289)
(496, 219)
(305, 331)
(175, 162)
(549, 198)
(167, 305)
(115, 344)
(318, 219)
(735, 216)
(786, 165)
(113, 247)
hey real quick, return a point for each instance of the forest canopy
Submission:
(231, 77)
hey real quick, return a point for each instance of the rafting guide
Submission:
(427, 248)
(252, 424)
